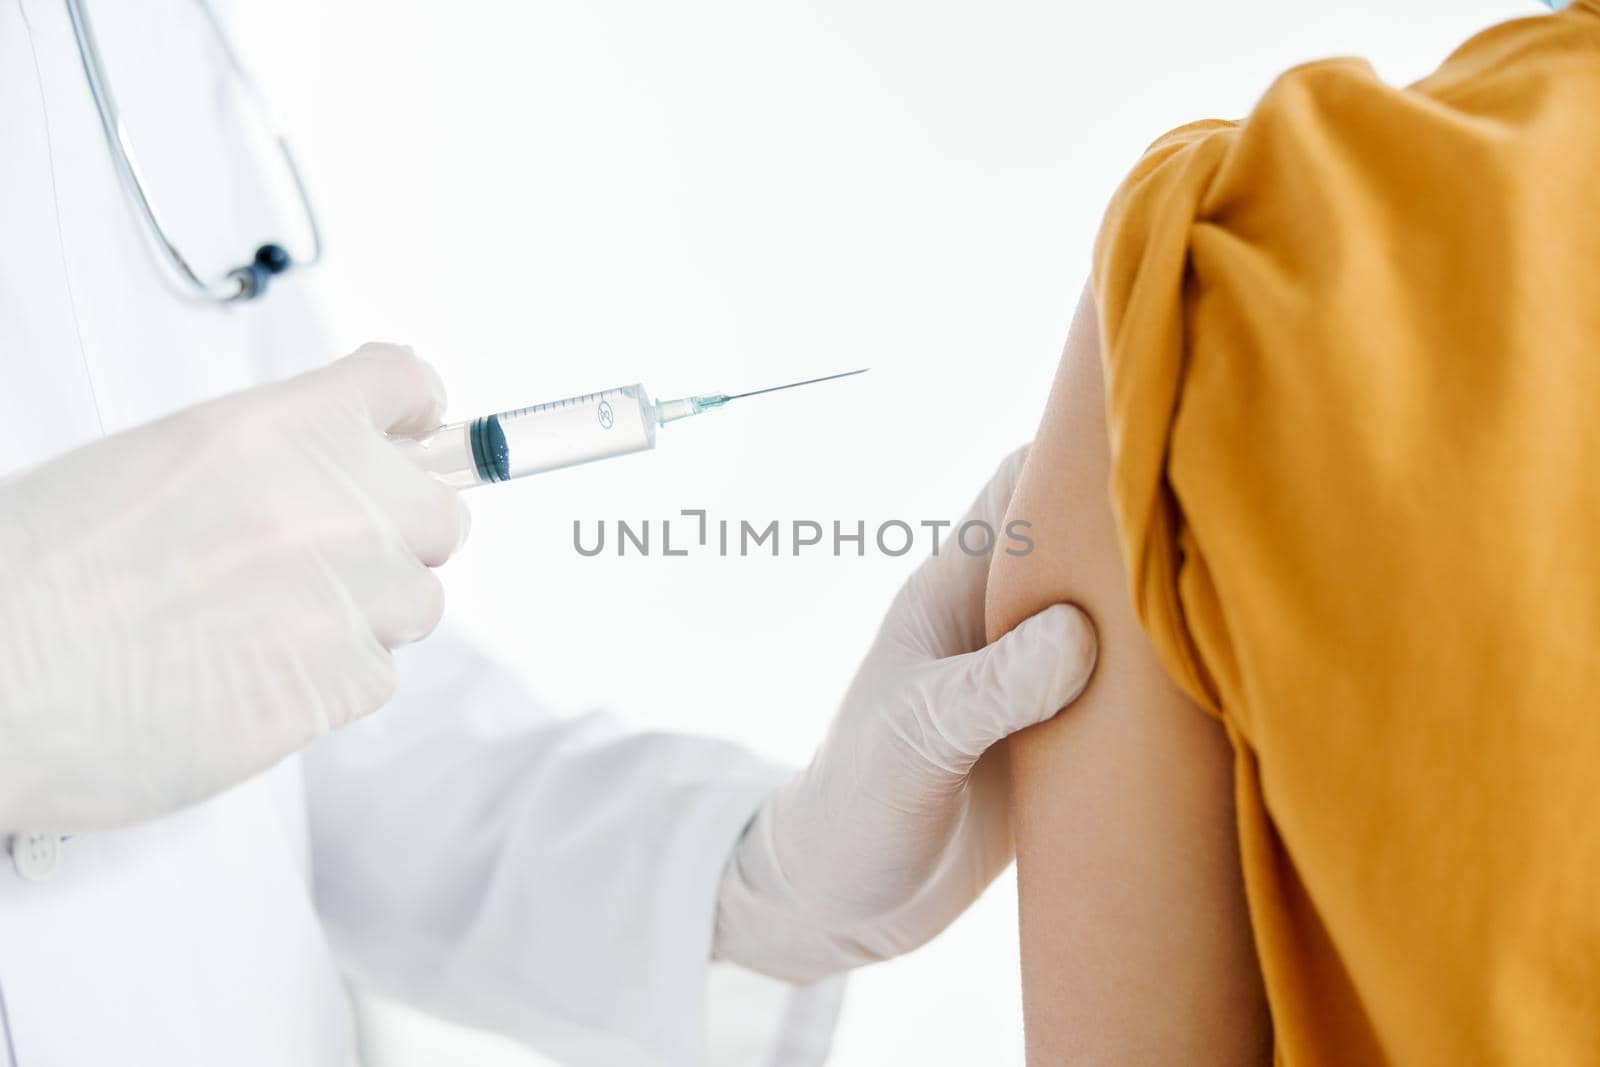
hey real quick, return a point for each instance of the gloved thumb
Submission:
(1022, 679)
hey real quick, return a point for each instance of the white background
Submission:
(552, 197)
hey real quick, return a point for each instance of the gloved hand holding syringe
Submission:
(561, 433)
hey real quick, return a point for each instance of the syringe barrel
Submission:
(545, 437)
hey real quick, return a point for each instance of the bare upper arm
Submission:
(1136, 945)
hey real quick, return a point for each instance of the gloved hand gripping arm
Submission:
(901, 819)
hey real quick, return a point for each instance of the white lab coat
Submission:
(552, 879)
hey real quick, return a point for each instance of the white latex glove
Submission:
(185, 603)
(897, 825)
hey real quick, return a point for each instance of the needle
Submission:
(796, 385)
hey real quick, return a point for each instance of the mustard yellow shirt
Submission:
(1352, 351)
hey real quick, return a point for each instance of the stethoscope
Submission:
(270, 260)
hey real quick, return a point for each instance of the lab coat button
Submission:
(35, 855)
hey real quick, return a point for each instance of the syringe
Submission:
(561, 433)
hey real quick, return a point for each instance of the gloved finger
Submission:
(408, 608)
(437, 524)
(344, 673)
(400, 392)
(948, 588)
(1021, 680)
(430, 517)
